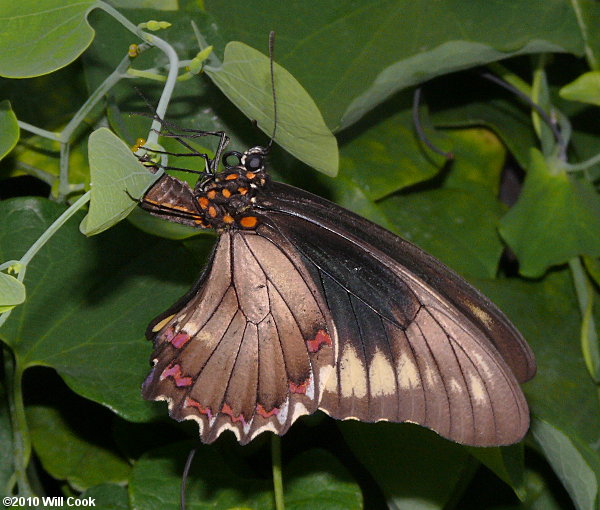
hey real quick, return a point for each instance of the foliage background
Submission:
(76, 345)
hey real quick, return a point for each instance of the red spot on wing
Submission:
(180, 339)
(229, 412)
(320, 339)
(299, 388)
(174, 371)
(264, 413)
(190, 402)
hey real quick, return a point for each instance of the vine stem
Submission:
(43, 239)
(276, 466)
(20, 433)
(171, 54)
(589, 335)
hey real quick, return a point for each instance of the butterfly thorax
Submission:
(225, 199)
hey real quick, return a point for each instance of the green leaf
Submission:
(547, 313)
(43, 35)
(12, 292)
(562, 394)
(69, 451)
(353, 55)
(351, 196)
(9, 129)
(592, 266)
(575, 471)
(506, 463)
(457, 226)
(414, 467)
(245, 79)
(314, 479)
(586, 89)
(388, 156)
(478, 162)
(117, 180)
(588, 18)
(89, 302)
(108, 496)
(505, 117)
(555, 219)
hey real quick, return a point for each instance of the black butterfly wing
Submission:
(248, 349)
(414, 341)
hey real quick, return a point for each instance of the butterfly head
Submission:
(253, 160)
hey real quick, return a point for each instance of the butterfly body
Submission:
(305, 305)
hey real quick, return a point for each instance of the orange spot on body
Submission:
(226, 193)
(242, 191)
(249, 221)
(228, 219)
(212, 211)
(320, 339)
(250, 175)
(229, 412)
(212, 194)
(264, 413)
(231, 177)
(203, 201)
(190, 402)
(299, 388)
(174, 371)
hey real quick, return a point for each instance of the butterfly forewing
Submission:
(371, 238)
(250, 349)
(405, 352)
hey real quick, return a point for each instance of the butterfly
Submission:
(305, 305)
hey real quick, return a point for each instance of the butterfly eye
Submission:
(254, 162)
(227, 159)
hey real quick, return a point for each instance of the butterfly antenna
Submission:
(186, 472)
(271, 53)
(419, 126)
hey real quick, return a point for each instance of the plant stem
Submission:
(276, 466)
(171, 54)
(21, 442)
(43, 239)
(592, 59)
(589, 335)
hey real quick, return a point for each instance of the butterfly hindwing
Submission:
(249, 349)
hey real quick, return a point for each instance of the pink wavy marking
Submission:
(299, 388)
(264, 413)
(180, 339)
(190, 402)
(174, 371)
(169, 334)
(229, 412)
(320, 339)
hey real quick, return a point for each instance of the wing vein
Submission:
(437, 367)
(451, 340)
